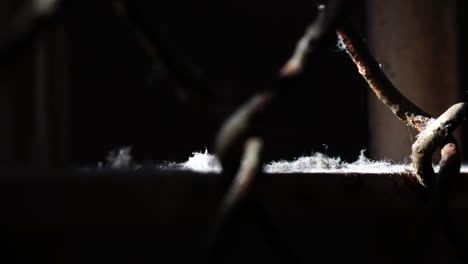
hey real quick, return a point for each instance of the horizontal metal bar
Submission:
(158, 214)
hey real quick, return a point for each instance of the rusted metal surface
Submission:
(369, 68)
(434, 133)
(434, 136)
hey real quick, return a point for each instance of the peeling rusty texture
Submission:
(449, 164)
(408, 181)
(369, 68)
(448, 176)
(435, 135)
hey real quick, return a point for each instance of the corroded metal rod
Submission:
(448, 177)
(435, 135)
(242, 123)
(233, 203)
(236, 130)
(369, 68)
(430, 138)
(313, 37)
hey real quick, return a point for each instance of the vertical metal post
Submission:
(50, 96)
(416, 43)
(40, 155)
(33, 95)
(59, 83)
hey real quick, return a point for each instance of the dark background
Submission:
(117, 98)
(239, 46)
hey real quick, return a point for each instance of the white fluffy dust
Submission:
(315, 163)
(205, 162)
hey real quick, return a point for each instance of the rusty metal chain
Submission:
(240, 134)
(242, 127)
(434, 133)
